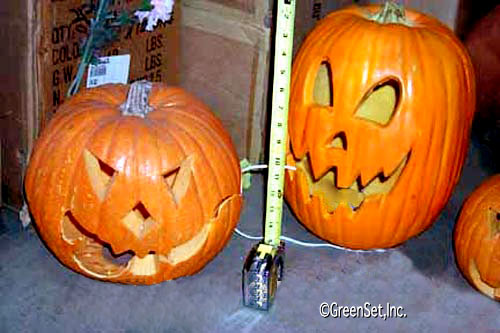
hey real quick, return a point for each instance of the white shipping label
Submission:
(113, 69)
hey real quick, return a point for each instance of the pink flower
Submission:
(162, 10)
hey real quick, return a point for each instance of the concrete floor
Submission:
(40, 295)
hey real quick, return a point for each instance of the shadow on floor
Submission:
(432, 251)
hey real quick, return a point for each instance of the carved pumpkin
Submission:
(381, 106)
(134, 193)
(477, 238)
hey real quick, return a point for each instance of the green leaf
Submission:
(124, 18)
(145, 5)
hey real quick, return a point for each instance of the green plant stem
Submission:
(391, 12)
(87, 52)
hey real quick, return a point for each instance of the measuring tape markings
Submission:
(279, 120)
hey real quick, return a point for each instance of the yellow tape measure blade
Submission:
(279, 120)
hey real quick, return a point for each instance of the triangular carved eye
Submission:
(171, 176)
(100, 174)
(494, 219)
(323, 85)
(178, 179)
(380, 104)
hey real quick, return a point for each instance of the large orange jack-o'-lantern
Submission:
(156, 181)
(381, 105)
(477, 238)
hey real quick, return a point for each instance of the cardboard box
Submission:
(42, 42)
(225, 47)
(17, 116)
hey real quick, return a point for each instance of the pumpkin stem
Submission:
(391, 12)
(137, 100)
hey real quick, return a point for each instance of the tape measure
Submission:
(263, 268)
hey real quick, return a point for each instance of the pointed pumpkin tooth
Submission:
(355, 186)
(143, 266)
(374, 187)
(330, 203)
(364, 181)
(344, 206)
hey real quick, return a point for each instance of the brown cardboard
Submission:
(16, 31)
(66, 22)
(225, 47)
(40, 58)
(243, 5)
(225, 60)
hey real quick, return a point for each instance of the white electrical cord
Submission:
(307, 244)
(264, 166)
(254, 167)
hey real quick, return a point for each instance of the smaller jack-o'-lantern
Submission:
(477, 238)
(381, 105)
(132, 190)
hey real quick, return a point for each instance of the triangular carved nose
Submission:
(139, 220)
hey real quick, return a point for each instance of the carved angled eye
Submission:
(323, 85)
(100, 174)
(178, 179)
(380, 104)
(494, 218)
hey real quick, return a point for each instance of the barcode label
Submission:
(99, 70)
(113, 69)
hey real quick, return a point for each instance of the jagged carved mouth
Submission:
(96, 258)
(354, 195)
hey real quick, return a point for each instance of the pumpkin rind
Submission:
(428, 131)
(477, 238)
(113, 176)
